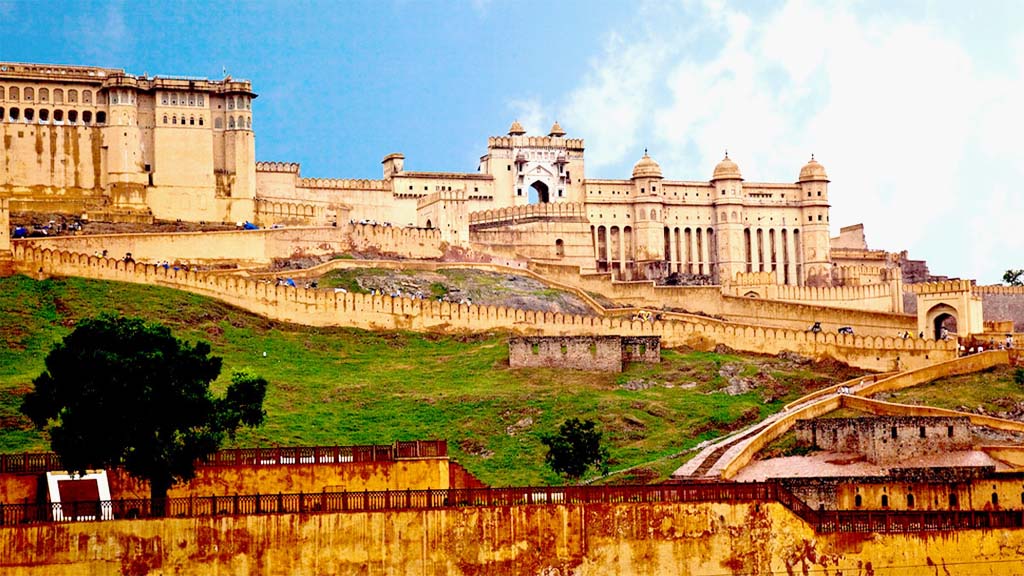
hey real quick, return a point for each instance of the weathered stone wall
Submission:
(1008, 305)
(418, 474)
(643, 539)
(250, 246)
(886, 439)
(597, 353)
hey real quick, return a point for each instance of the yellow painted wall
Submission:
(583, 540)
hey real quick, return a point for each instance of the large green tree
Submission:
(118, 391)
(575, 448)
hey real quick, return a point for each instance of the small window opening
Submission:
(910, 500)
(885, 501)
(892, 433)
(949, 431)
(857, 501)
(921, 432)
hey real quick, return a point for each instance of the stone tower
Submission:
(814, 244)
(727, 183)
(649, 241)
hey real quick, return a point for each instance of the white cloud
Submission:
(917, 138)
(531, 115)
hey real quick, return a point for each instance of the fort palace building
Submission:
(122, 147)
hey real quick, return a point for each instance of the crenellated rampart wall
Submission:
(325, 308)
(760, 311)
(250, 246)
(511, 214)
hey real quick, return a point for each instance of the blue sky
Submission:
(914, 108)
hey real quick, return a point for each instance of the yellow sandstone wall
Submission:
(250, 246)
(324, 308)
(412, 474)
(640, 539)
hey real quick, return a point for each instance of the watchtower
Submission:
(949, 306)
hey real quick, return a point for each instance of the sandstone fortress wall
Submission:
(322, 308)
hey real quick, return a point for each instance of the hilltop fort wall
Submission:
(760, 311)
(251, 246)
(586, 539)
(324, 308)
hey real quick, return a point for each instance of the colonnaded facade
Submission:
(122, 147)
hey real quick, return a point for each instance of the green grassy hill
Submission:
(346, 386)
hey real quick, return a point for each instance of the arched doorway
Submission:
(943, 318)
(539, 193)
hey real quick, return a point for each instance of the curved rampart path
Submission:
(725, 458)
(327, 308)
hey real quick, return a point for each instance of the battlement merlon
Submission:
(509, 142)
(115, 77)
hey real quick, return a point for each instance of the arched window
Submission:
(87, 96)
(995, 499)
(885, 501)
(192, 121)
(73, 96)
(231, 103)
(174, 120)
(857, 501)
(13, 93)
(58, 96)
(200, 100)
(101, 97)
(15, 114)
(2, 93)
(559, 247)
(44, 94)
(58, 116)
(72, 116)
(44, 115)
(2, 117)
(29, 94)
(165, 118)
(200, 120)
(910, 500)
(174, 99)
(182, 119)
(163, 98)
(231, 122)
(87, 117)
(218, 124)
(30, 114)
(248, 122)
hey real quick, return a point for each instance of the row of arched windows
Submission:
(242, 123)
(858, 500)
(175, 99)
(239, 102)
(29, 94)
(45, 116)
(191, 120)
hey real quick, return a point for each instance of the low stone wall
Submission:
(887, 439)
(596, 353)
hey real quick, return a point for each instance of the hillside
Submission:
(346, 386)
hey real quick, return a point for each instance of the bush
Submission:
(575, 448)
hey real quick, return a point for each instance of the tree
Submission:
(1014, 277)
(120, 392)
(575, 448)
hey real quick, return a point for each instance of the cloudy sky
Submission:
(914, 109)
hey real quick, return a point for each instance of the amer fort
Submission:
(152, 180)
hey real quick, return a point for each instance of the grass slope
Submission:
(346, 386)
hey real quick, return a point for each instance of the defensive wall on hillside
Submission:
(251, 246)
(819, 405)
(324, 308)
(882, 297)
(710, 530)
(759, 311)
